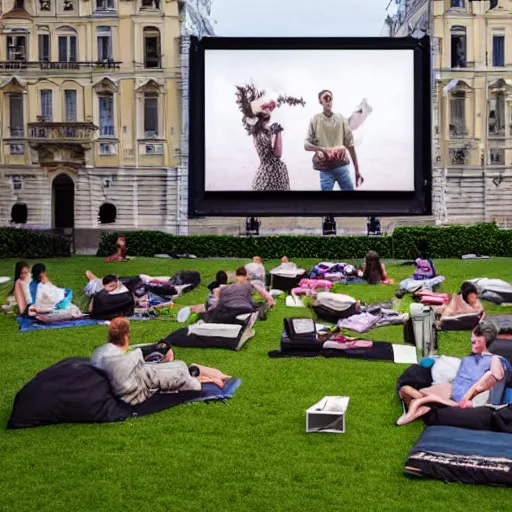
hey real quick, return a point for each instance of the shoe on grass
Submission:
(183, 314)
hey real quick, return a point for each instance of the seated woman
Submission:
(425, 268)
(464, 302)
(21, 286)
(121, 250)
(134, 381)
(374, 271)
(236, 299)
(45, 296)
(477, 373)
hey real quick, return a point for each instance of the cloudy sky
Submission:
(298, 18)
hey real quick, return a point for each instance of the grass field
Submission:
(251, 453)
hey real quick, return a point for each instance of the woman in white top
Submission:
(21, 289)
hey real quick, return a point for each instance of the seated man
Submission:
(236, 299)
(477, 373)
(134, 381)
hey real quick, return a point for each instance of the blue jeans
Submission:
(339, 175)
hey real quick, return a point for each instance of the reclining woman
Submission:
(478, 373)
(466, 301)
(134, 381)
(236, 299)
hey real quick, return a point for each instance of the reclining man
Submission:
(478, 373)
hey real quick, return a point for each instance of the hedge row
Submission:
(29, 244)
(404, 243)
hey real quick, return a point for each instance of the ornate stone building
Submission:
(472, 103)
(90, 109)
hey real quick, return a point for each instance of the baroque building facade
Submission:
(472, 103)
(90, 98)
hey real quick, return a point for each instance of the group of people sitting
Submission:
(35, 294)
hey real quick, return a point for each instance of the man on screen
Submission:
(330, 136)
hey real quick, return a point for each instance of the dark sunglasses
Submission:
(327, 97)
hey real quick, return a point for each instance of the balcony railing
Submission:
(53, 132)
(11, 65)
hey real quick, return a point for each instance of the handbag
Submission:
(330, 159)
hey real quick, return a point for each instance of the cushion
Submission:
(445, 369)
(502, 347)
(106, 305)
(334, 306)
(210, 335)
(465, 322)
(70, 391)
(461, 455)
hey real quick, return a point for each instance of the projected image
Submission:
(309, 120)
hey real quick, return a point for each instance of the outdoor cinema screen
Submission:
(279, 117)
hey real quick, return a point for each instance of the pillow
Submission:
(70, 391)
(445, 369)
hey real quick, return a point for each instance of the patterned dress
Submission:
(272, 173)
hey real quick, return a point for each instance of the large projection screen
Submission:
(310, 127)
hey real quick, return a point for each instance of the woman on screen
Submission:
(257, 109)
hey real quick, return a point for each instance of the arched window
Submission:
(107, 213)
(458, 43)
(152, 54)
(19, 213)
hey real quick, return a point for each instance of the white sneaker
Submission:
(183, 314)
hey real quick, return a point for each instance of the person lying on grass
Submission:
(477, 373)
(233, 300)
(134, 381)
(113, 285)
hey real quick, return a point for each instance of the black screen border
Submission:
(202, 203)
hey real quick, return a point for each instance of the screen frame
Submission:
(203, 203)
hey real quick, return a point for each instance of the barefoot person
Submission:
(477, 373)
(330, 137)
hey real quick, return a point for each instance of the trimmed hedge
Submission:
(29, 244)
(404, 243)
(148, 243)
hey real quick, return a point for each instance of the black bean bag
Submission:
(206, 335)
(106, 306)
(72, 391)
(502, 347)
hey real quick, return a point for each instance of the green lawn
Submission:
(249, 454)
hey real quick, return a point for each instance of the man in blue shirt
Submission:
(477, 373)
